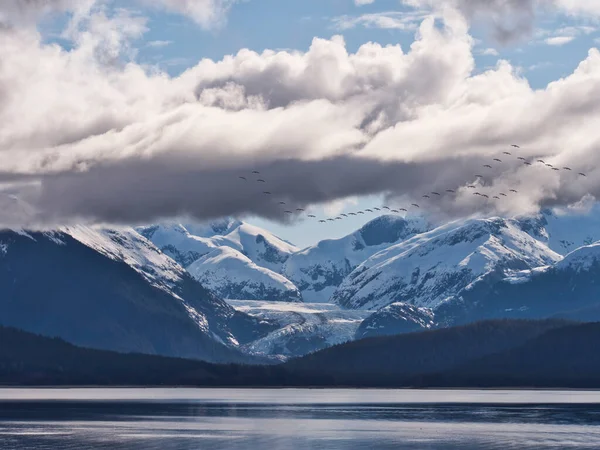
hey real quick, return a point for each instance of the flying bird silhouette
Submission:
(243, 178)
(496, 159)
(582, 174)
(260, 181)
(450, 191)
(567, 168)
(415, 205)
(255, 171)
(488, 166)
(436, 193)
(515, 146)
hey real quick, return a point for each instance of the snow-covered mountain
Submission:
(320, 269)
(396, 318)
(566, 289)
(232, 275)
(301, 327)
(113, 289)
(432, 267)
(243, 263)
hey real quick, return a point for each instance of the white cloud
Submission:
(85, 139)
(385, 20)
(159, 44)
(490, 52)
(559, 40)
(206, 13)
(363, 2)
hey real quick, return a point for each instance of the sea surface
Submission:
(178, 419)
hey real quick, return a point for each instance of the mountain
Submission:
(260, 256)
(432, 267)
(397, 318)
(113, 289)
(232, 275)
(320, 269)
(563, 231)
(302, 327)
(567, 289)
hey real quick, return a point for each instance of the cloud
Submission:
(559, 40)
(84, 138)
(206, 13)
(385, 20)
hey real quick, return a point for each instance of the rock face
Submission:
(317, 271)
(113, 289)
(397, 318)
(432, 267)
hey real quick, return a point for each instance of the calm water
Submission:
(177, 419)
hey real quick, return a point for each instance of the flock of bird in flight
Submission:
(499, 196)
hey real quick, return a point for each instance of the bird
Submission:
(495, 196)
(507, 153)
(415, 205)
(515, 146)
(256, 172)
(344, 215)
(486, 196)
(403, 209)
(395, 211)
(472, 186)
(582, 174)
(299, 209)
(243, 178)
(478, 176)
(360, 212)
(497, 159)
(385, 207)
(488, 166)
(282, 203)
(310, 215)
(503, 194)
(521, 158)
(541, 161)
(549, 165)
(377, 209)
(450, 191)
(338, 218)
(426, 196)
(352, 214)
(368, 210)
(330, 220)
(514, 191)
(567, 168)
(527, 163)
(555, 168)
(260, 181)
(288, 212)
(476, 193)
(436, 193)
(267, 193)
(322, 221)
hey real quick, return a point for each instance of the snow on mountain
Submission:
(302, 327)
(432, 267)
(394, 319)
(320, 269)
(563, 230)
(582, 259)
(177, 242)
(262, 247)
(232, 275)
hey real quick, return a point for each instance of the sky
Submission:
(132, 111)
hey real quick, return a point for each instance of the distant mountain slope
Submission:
(113, 289)
(232, 275)
(320, 269)
(432, 267)
(568, 289)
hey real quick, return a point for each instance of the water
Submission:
(182, 419)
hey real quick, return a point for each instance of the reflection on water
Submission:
(174, 419)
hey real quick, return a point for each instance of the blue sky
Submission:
(174, 42)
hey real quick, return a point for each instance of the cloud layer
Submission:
(86, 137)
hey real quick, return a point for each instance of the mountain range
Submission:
(230, 291)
